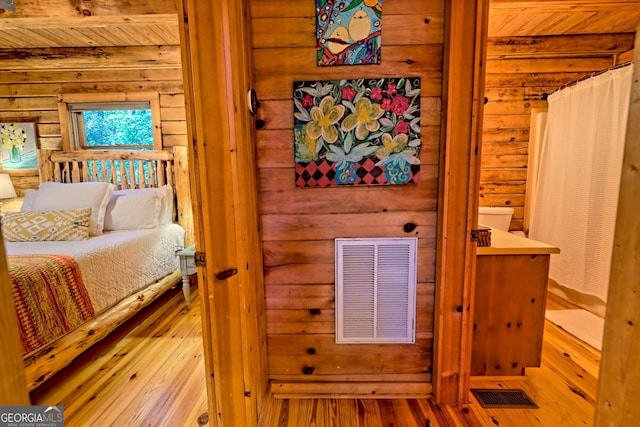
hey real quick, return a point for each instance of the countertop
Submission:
(503, 243)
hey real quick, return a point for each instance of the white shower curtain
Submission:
(576, 195)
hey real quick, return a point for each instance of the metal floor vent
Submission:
(492, 398)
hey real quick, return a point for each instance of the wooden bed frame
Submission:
(79, 166)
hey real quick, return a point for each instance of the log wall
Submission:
(536, 67)
(299, 225)
(31, 89)
(32, 93)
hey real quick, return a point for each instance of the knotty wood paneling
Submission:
(559, 45)
(33, 93)
(535, 67)
(295, 357)
(75, 58)
(299, 225)
(57, 8)
(510, 298)
(309, 308)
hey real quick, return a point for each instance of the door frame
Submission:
(216, 57)
(217, 64)
(463, 99)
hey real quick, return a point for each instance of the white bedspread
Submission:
(116, 263)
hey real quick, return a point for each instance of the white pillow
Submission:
(29, 196)
(166, 214)
(132, 210)
(58, 196)
(165, 193)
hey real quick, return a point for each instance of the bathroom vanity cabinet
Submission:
(509, 304)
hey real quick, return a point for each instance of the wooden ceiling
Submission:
(509, 18)
(91, 31)
(89, 23)
(513, 25)
(542, 29)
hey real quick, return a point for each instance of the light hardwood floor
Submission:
(153, 375)
(146, 375)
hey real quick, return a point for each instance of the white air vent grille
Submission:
(376, 290)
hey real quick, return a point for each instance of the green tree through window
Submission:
(112, 128)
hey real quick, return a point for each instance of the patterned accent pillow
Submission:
(38, 226)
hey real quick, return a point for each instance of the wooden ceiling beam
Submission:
(60, 8)
(90, 57)
(548, 65)
(88, 21)
(588, 45)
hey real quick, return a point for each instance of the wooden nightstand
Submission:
(187, 267)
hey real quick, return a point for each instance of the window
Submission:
(103, 122)
(108, 125)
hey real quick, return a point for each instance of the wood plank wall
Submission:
(31, 91)
(536, 66)
(299, 225)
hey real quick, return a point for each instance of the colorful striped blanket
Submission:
(50, 297)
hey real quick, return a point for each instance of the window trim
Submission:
(67, 127)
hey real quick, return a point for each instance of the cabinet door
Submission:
(509, 304)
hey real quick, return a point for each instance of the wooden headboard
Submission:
(125, 169)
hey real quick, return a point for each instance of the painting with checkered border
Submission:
(357, 132)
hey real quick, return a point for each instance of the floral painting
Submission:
(348, 31)
(357, 132)
(19, 145)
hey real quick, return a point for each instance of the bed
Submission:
(110, 252)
